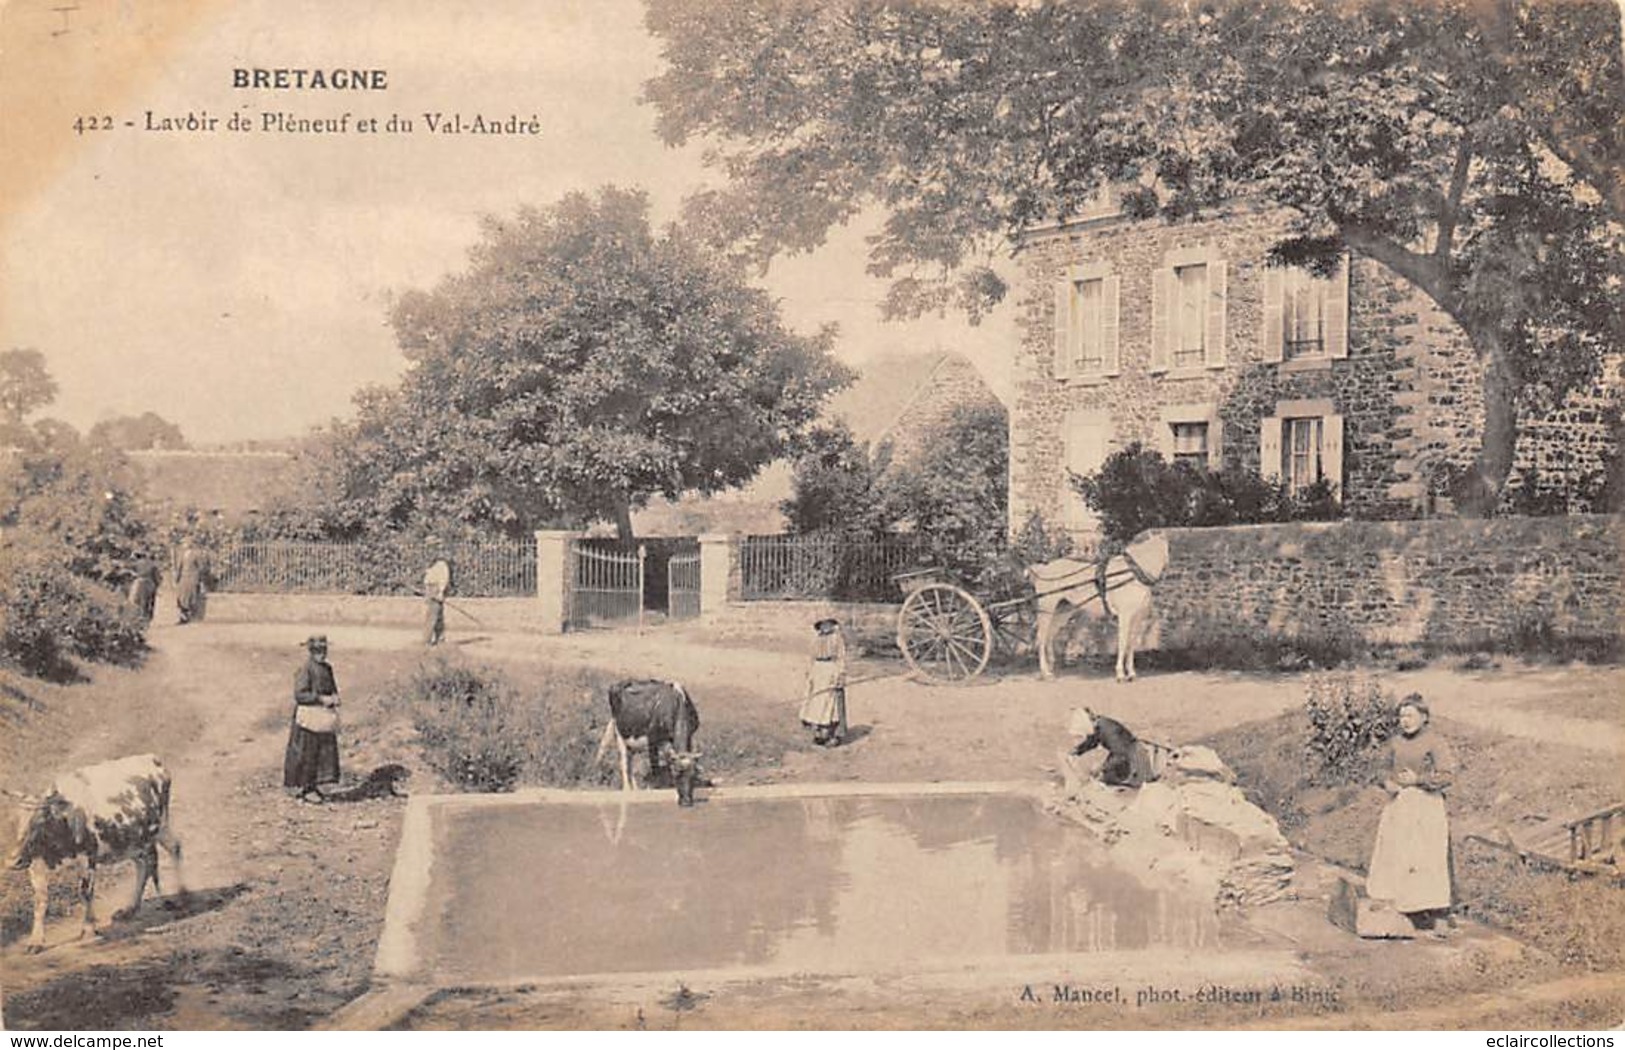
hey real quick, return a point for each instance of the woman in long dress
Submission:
(312, 758)
(1410, 861)
(824, 709)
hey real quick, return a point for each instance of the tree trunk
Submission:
(1495, 455)
(623, 521)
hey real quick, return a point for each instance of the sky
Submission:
(238, 284)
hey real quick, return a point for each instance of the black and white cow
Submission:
(104, 813)
(659, 717)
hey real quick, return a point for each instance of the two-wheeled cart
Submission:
(948, 634)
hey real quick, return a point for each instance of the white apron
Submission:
(1410, 862)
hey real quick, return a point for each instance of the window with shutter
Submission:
(1090, 345)
(1188, 327)
(1305, 316)
(1086, 322)
(1303, 321)
(1303, 442)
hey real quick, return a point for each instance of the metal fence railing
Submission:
(487, 569)
(829, 567)
(683, 586)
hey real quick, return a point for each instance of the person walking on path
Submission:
(143, 593)
(1410, 860)
(312, 758)
(824, 709)
(191, 575)
(436, 584)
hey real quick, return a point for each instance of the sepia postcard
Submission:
(727, 514)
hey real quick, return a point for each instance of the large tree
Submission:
(583, 363)
(25, 385)
(1474, 146)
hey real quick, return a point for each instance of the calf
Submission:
(660, 718)
(105, 813)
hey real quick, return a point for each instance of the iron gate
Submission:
(683, 586)
(608, 585)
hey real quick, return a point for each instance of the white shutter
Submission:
(1269, 448)
(1336, 314)
(1215, 442)
(1165, 439)
(1331, 454)
(1217, 298)
(1063, 329)
(1161, 305)
(1274, 313)
(1108, 325)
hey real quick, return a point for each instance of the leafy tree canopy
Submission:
(1474, 146)
(25, 385)
(58, 490)
(131, 433)
(838, 485)
(582, 364)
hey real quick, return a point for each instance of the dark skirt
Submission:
(311, 759)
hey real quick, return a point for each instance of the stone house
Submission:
(1181, 337)
(899, 402)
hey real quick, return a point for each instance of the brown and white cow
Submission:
(105, 813)
(659, 717)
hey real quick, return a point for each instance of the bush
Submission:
(1136, 489)
(1350, 718)
(47, 614)
(470, 723)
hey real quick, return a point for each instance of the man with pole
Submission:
(436, 584)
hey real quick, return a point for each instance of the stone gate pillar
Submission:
(554, 578)
(719, 573)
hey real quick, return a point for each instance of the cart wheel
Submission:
(944, 633)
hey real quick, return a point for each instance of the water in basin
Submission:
(814, 884)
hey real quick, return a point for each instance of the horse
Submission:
(1120, 586)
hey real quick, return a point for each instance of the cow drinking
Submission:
(660, 718)
(105, 813)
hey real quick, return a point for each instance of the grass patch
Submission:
(487, 728)
(1503, 782)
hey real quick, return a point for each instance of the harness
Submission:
(1107, 580)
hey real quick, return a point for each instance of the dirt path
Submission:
(286, 899)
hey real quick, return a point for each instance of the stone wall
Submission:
(1408, 389)
(1444, 581)
(499, 614)
(1563, 456)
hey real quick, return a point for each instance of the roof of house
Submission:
(880, 395)
(233, 483)
(871, 407)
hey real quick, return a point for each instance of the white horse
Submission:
(1120, 588)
